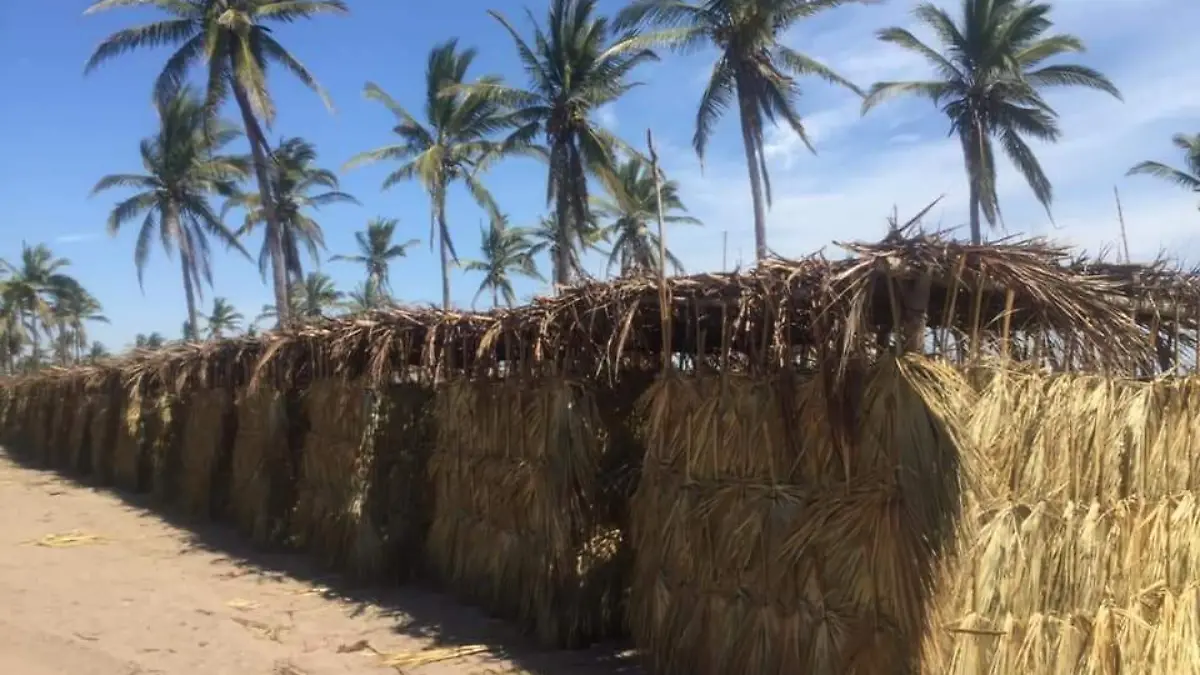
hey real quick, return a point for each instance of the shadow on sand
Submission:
(417, 611)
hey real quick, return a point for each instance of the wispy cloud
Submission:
(900, 156)
(76, 237)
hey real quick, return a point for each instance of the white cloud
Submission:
(899, 156)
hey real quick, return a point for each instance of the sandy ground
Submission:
(93, 583)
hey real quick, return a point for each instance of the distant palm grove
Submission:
(212, 183)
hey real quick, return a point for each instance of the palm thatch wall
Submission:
(204, 447)
(521, 522)
(852, 465)
(336, 463)
(1079, 546)
(767, 543)
(263, 471)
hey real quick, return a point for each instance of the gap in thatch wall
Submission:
(400, 497)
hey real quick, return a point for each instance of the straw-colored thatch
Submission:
(64, 402)
(263, 470)
(128, 450)
(204, 449)
(78, 435)
(102, 432)
(1080, 550)
(520, 520)
(335, 465)
(160, 457)
(766, 543)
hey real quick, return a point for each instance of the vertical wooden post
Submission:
(663, 299)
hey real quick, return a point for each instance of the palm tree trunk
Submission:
(444, 246)
(190, 294)
(976, 230)
(750, 144)
(495, 298)
(561, 250)
(274, 233)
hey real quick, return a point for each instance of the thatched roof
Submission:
(1030, 300)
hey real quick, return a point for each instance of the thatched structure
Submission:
(205, 441)
(1077, 548)
(522, 521)
(844, 468)
(262, 477)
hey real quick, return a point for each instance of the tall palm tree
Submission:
(223, 319)
(376, 250)
(752, 70)
(183, 168)
(632, 206)
(990, 75)
(294, 177)
(1188, 178)
(504, 249)
(33, 285)
(454, 144)
(576, 64)
(231, 40)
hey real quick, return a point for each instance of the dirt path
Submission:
(92, 584)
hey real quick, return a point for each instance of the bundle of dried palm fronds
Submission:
(519, 522)
(128, 442)
(335, 465)
(1079, 549)
(204, 445)
(262, 480)
(159, 465)
(768, 542)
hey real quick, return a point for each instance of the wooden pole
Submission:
(663, 299)
(1121, 220)
(724, 251)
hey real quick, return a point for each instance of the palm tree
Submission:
(310, 300)
(504, 249)
(632, 206)
(366, 297)
(12, 333)
(990, 74)
(32, 287)
(453, 145)
(97, 352)
(230, 39)
(293, 177)
(224, 319)
(73, 309)
(376, 250)
(567, 245)
(152, 341)
(183, 168)
(752, 69)
(1188, 178)
(577, 64)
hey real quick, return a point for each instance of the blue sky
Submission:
(61, 132)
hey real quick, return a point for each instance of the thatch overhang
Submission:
(1028, 300)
